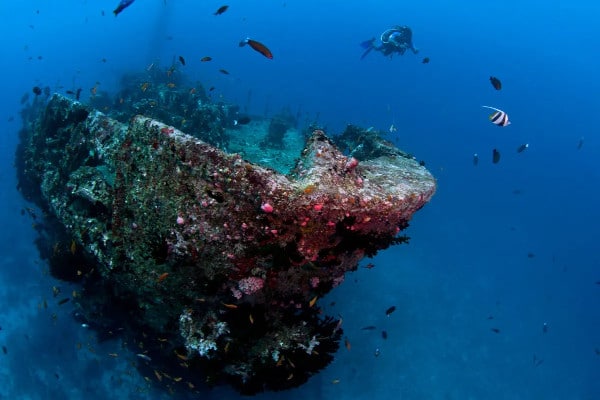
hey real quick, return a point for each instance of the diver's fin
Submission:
(367, 43)
(367, 51)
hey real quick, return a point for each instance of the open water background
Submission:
(516, 241)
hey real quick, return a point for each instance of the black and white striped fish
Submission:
(498, 117)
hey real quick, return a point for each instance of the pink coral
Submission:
(251, 285)
(266, 207)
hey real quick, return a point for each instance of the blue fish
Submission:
(122, 5)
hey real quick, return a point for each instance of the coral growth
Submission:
(219, 258)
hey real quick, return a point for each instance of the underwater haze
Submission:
(497, 292)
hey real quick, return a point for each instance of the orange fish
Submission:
(347, 344)
(258, 46)
(181, 356)
(313, 301)
(144, 86)
(158, 375)
(231, 306)
(94, 90)
(162, 277)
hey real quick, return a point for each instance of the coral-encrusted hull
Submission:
(221, 258)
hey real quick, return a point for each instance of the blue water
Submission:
(507, 246)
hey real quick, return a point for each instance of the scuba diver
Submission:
(397, 39)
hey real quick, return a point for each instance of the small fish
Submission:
(495, 83)
(94, 90)
(596, 350)
(498, 117)
(313, 301)
(158, 376)
(206, 59)
(210, 89)
(530, 255)
(251, 318)
(63, 301)
(335, 381)
(545, 327)
(347, 344)
(537, 361)
(181, 356)
(221, 10)
(369, 266)
(475, 159)
(122, 5)
(522, 148)
(393, 128)
(37, 90)
(85, 325)
(377, 352)
(230, 306)
(144, 86)
(144, 357)
(495, 330)
(182, 60)
(368, 328)
(425, 60)
(384, 335)
(73, 247)
(224, 72)
(78, 94)
(580, 144)
(257, 46)
(495, 156)
(390, 310)
(162, 277)
(114, 355)
(4, 350)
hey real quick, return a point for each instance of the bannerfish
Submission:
(495, 83)
(475, 159)
(498, 117)
(522, 148)
(122, 5)
(495, 156)
(221, 10)
(258, 46)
